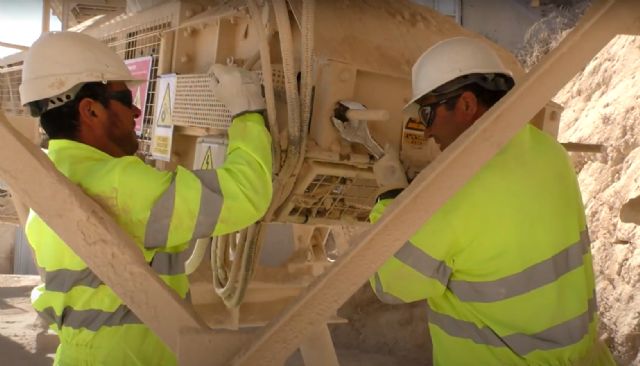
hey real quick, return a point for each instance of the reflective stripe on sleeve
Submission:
(210, 204)
(90, 319)
(381, 294)
(558, 336)
(157, 230)
(533, 277)
(209, 179)
(529, 279)
(169, 263)
(422, 262)
(159, 224)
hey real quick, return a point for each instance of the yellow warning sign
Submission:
(207, 162)
(161, 146)
(164, 119)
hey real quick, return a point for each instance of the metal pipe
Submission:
(267, 77)
(578, 147)
(66, 12)
(284, 182)
(367, 115)
(46, 15)
(15, 46)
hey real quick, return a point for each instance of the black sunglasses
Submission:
(427, 112)
(123, 96)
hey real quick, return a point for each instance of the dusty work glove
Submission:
(237, 88)
(389, 174)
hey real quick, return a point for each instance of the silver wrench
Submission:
(356, 130)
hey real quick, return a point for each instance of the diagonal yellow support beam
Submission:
(436, 184)
(13, 45)
(92, 234)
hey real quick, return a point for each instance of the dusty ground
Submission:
(390, 334)
(396, 337)
(20, 341)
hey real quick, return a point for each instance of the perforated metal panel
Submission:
(10, 79)
(195, 104)
(330, 197)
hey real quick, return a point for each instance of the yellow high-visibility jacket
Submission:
(505, 264)
(164, 212)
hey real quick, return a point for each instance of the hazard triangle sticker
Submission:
(165, 110)
(207, 162)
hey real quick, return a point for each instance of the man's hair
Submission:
(62, 122)
(487, 97)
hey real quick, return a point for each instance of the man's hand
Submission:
(237, 88)
(389, 172)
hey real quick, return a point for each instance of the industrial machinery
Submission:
(311, 57)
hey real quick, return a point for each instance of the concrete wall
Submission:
(23, 262)
(502, 21)
(7, 242)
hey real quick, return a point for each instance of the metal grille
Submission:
(138, 41)
(10, 79)
(195, 104)
(335, 198)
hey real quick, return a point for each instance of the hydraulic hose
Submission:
(267, 77)
(293, 107)
(197, 255)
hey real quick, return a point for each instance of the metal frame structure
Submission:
(106, 248)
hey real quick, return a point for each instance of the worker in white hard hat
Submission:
(504, 265)
(77, 86)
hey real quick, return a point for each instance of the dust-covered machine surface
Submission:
(311, 56)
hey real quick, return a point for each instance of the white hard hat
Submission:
(59, 63)
(451, 59)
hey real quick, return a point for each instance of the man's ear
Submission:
(468, 103)
(87, 110)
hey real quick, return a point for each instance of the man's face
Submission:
(448, 124)
(121, 115)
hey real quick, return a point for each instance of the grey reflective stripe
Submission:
(384, 296)
(558, 336)
(90, 319)
(157, 230)
(533, 277)
(169, 263)
(62, 280)
(422, 262)
(209, 179)
(529, 279)
(210, 204)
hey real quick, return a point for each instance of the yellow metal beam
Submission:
(14, 46)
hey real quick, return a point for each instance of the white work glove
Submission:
(237, 88)
(389, 172)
